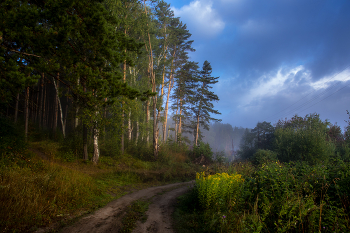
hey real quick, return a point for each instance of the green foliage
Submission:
(217, 191)
(220, 157)
(264, 156)
(203, 149)
(261, 137)
(10, 135)
(276, 197)
(72, 144)
(305, 144)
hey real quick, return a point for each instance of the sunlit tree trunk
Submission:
(168, 97)
(137, 131)
(129, 126)
(147, 122)
(197, 129)
(96, 155)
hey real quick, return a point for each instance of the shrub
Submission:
(264, 156)
(305, 144)
(203, 149)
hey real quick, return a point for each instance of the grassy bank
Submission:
(39, 185)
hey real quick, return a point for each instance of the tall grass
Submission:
(33, 196)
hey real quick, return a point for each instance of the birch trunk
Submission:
(63, 124)
(96, 155)
(129, 126)
(137, 132)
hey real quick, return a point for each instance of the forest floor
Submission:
(158, 217)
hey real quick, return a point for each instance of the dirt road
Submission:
(108, 218)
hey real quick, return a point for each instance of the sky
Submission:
(275, 58)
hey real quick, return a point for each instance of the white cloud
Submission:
(327, 81)
(272, 84)
(201, 17)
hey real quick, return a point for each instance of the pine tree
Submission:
(202, 103)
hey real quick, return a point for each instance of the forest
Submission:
(90, 93)
(111, 70)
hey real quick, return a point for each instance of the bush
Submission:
(203, 149)
(264, 156)
(305, 144)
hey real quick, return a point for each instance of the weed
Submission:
(136, 211)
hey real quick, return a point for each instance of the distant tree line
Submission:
(299, 138)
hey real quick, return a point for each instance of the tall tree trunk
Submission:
(85, 135)
(147, 122)
(55, 119)
(168, 97)
(197, 129)
(180, 122)
(60, 107)
(176, 122)
(44, 107)
(137, 131)
(153, 82)
(155, 127)
(36, 113)
(96, 155)
(76, 120)
(40, 112)
(85, 142)
(129, 126)
(123, 106)
(16, 109)
(26, 113)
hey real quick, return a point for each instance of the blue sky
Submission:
(275, 58)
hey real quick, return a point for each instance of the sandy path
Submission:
(108, 218)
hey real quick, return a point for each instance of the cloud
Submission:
(201, 18)
(328, 81)
(274, 83)
(272, 55)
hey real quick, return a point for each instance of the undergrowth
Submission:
(274, 197)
